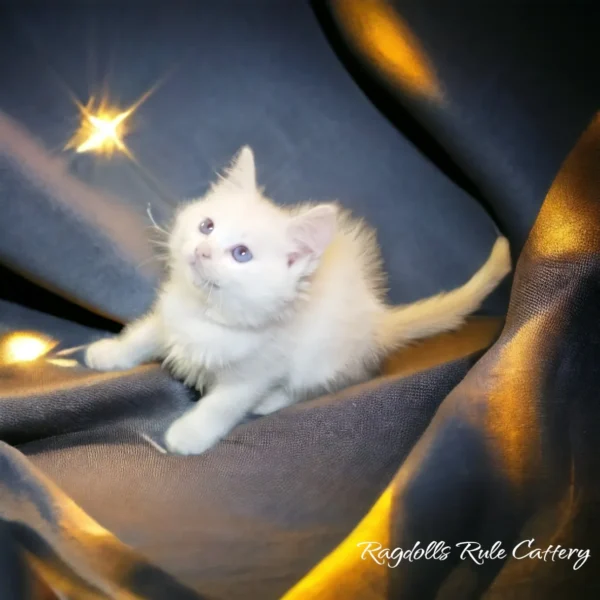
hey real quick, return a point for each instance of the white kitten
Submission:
(266, 305)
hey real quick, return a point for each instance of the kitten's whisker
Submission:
(161, 253)
(156, 225)
(221, 176)
(159, 243)
(68, 351)
(154, 444)
(158, 239)
(212, 287)
(160, 232)
(161, 259)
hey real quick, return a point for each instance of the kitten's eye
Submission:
(206, 226)
(241, 254)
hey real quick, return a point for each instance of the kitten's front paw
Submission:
(107, 355)
(188, 436)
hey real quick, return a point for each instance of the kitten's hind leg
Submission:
(275, 400)
(136, 344)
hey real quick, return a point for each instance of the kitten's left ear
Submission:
(242, 172)
(314, 230)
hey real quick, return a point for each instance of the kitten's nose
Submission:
(203, 251)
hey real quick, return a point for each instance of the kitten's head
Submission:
(242, 254)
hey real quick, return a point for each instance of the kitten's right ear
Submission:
(312, 231)
(242, 171)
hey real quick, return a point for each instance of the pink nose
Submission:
(203, 251)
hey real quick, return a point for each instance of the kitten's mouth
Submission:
(199, 277)
(204, 282)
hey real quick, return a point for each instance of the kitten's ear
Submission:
(242, 172)
(312, 231)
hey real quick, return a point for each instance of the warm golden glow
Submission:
(567, 223)
(64, 363)
(512, 422)
(24, 347)
(377, 29)
(103, 126)
(344, 572)
(106, 133)
(478, 333)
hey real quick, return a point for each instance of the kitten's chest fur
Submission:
(196, 348)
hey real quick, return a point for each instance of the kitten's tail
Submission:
(445, 311)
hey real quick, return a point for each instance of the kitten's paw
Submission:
(108, 355)
(188, 436)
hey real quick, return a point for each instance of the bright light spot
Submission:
(387, 40)
(25, 347)
(103, 127)
(106, 133)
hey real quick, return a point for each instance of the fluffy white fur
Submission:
(306, 315)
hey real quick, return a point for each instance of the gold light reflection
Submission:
(478, 333)
(63, 362)
(512, 421)
(23, 347)
(107, 131)
(344, 571)
(103, 126)
(102, 129)
(568, 220)
(376, 28)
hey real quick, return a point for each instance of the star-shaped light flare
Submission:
(106, 133)
(103, 127)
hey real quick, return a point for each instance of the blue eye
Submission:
(241, 254)
(206, 226)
